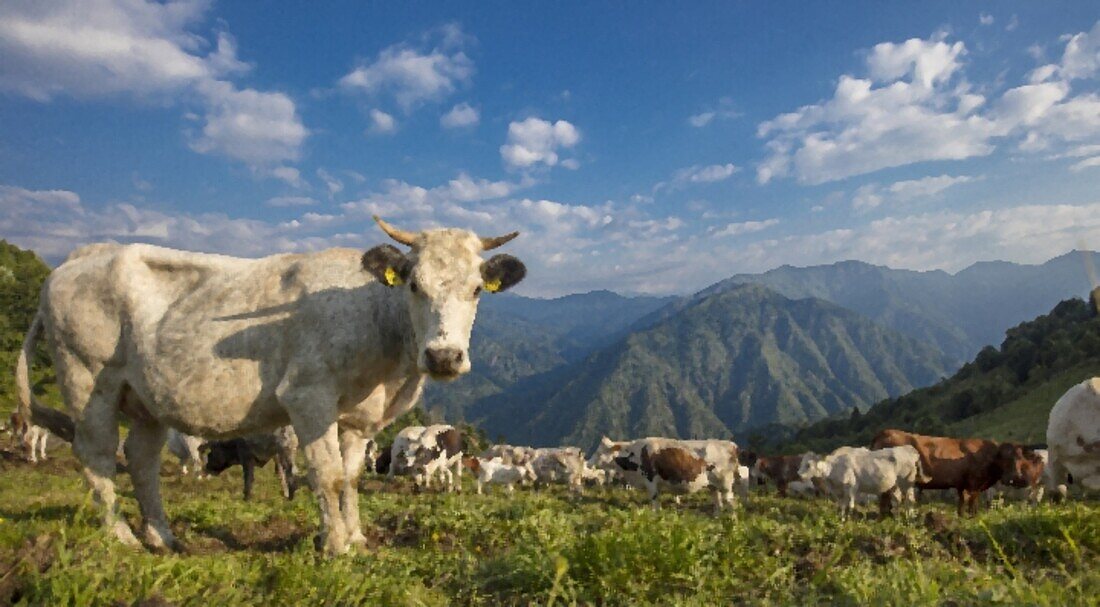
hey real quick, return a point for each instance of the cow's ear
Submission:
(501, 272)
(387, 264)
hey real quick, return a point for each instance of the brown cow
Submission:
(780, 469)
(967, 465)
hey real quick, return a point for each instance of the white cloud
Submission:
(872, 195)
(54, 222)
(414, 76)
(907, 111)
(705, 174)
(1087, 163)
(290, 201)
(461, 115)
(571, 163)
(90, 49)
(255, 127)
(915, 106)
(332, 183)
(103, 48)
(985, 19)
(745, 227)
(1081, 58)
(724, 110)
(381, 122)
(536, 141)
(290, 175)
(701, 119)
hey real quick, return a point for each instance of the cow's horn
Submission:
(495, 241)
(405, 238)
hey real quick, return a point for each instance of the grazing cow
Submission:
(603, 457)
(370, 459)
(559, 465)
(967, 465)
(402, 450)
(187, 449)
(509, 454)
(424, 452)
(1073, 438)
(33, 437)
(1035, 475)
(256, 450)
(780, 469)
(680, 466)
(496, 471)
(892, 472)
(222, 347)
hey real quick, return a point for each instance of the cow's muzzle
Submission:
(444, 363)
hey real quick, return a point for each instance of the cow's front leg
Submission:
(353, 447)
(313, 416)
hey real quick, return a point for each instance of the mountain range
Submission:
(575, 391)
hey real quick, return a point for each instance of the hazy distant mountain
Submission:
(739, 358)
(960, 313)
(516, 337)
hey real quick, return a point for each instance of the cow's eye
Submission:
(413, 287)
(477, 290)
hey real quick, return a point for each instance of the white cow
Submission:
(559, 465)
(509, 454)
(1073, 438)
(854, 471)
(186, 448)
(496, 471)
(33, 437)
(402, 450)
(219, 347)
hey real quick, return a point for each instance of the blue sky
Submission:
(639, 147)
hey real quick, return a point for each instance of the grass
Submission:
(533, 548)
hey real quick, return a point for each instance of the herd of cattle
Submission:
(895, 466)
(338, 344)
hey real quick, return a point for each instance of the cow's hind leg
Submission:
(95, 442)
(353, 447)
(143, 447)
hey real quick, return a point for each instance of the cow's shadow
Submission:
(327, 316)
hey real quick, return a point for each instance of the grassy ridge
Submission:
(541, 548)
(1005, 393)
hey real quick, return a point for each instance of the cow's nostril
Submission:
(444, 361)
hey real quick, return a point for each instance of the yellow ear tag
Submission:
(393, 278)
(492, 286)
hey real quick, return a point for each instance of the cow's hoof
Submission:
(357, 541)
(160, 540)
(122, 531)
(330, 546)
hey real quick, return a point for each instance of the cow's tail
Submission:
(30, 410)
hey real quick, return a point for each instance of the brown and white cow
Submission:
(779, 469)
(680, 466)
(967, 465)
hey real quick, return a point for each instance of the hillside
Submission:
(726, 363)
(1005, 393)
(960, 313)
(516, 337)
(21, 277)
